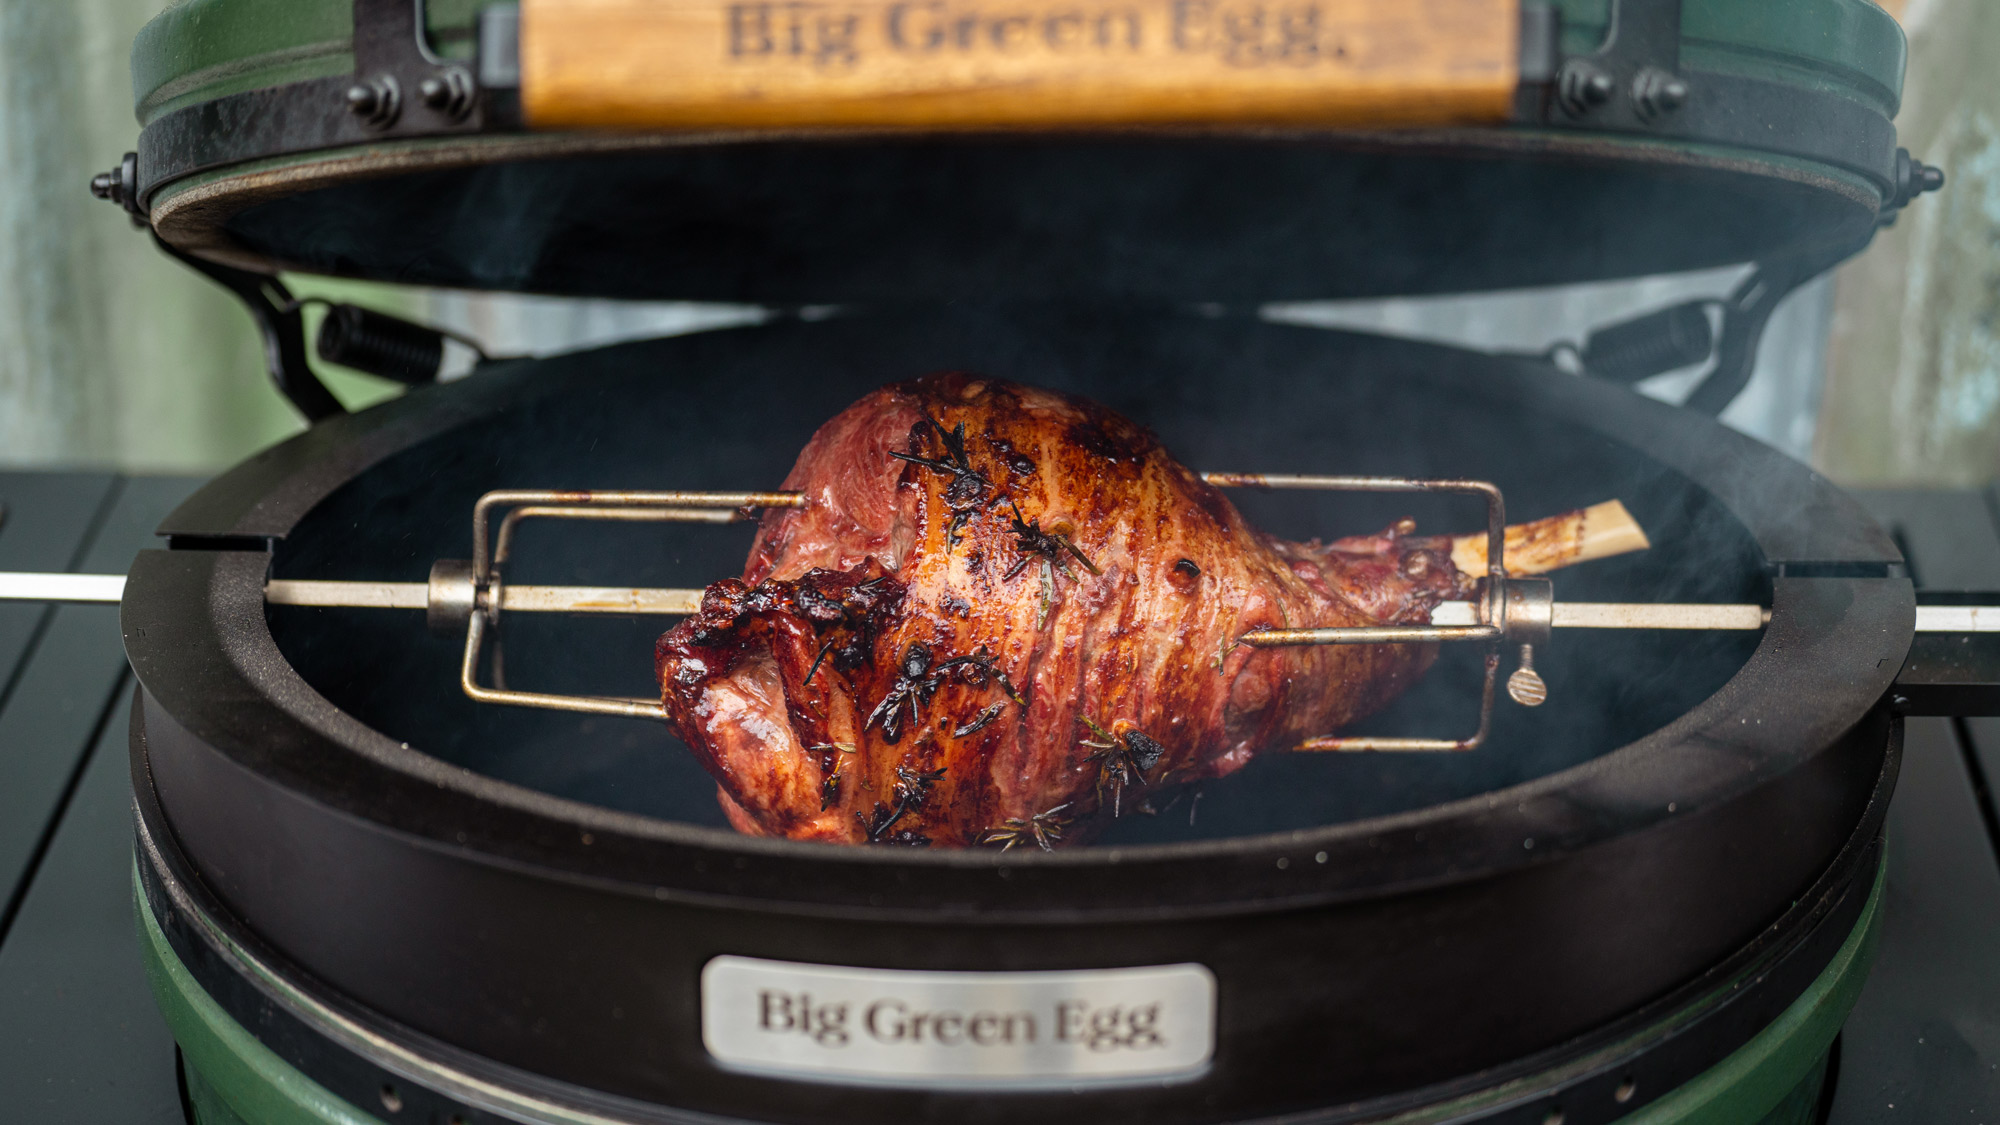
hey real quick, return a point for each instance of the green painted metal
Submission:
(197, 50)
(1774, 1079)
(1849, 47)
(232, 1078)
(1761, 1081)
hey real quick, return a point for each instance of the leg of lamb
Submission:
(1007, 615)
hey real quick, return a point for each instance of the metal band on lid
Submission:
(1293, 149)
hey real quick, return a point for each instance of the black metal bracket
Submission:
(1633, 79)
(1952, 674)
(1680, 335)
(1745, 314)
(281, 326)
(1541, 53)
(1633, 82)
(396, 72)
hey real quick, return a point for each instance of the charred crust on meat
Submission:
(1018, 464)
(1112, 439)
(956, 606)
(852, 620)
(852, 606)
(1144, 751)
(1184, 576)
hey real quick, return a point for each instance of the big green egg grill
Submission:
(369, 892)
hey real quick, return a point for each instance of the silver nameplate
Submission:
(923, 1029)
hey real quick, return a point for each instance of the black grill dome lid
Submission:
(1626, 137)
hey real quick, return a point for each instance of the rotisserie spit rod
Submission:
(1535, 547)
(642, 601)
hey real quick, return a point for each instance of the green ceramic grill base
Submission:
(1775, 1079)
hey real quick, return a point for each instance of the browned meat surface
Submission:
(1008, 614)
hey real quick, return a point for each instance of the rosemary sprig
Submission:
(968, 489)
(980, 722)
(1044, 829)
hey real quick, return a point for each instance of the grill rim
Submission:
(218, 596)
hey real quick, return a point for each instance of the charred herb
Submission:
(879, 821)
(821, 655)
(1122, 760)
(913, 788)
(1044, 830)
(978, 670)
(968, 489)
(1053, 548)
(919, 678)
(1222, 648)
(980, 721)
(829, 791)
(915, 683)
(849, 614)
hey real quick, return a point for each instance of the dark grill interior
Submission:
(730, 410)
(1272, 216)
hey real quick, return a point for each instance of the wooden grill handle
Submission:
(1016, 64)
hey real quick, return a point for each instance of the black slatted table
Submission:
(81, 1042)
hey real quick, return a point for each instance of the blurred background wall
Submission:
(111, 354)
(1913, 371)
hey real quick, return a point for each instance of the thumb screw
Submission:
(1526, 686)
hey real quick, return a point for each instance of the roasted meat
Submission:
(1007, 615)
